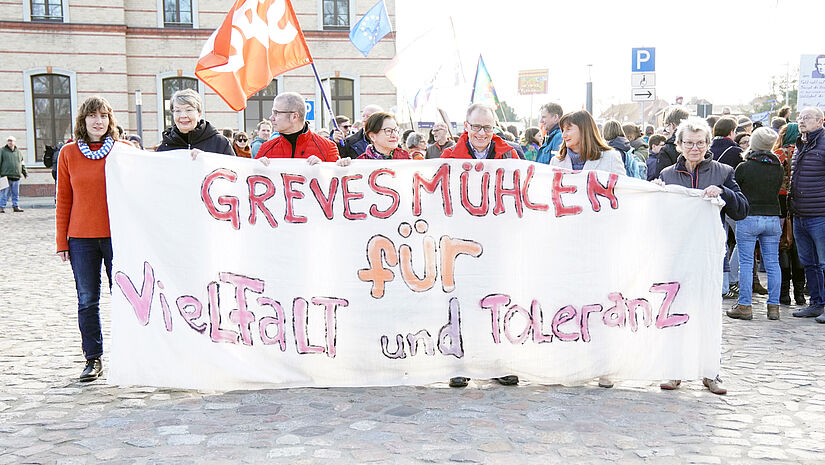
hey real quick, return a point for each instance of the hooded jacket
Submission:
(727, 151)
(499, 149)
(666, 157)
(807, 192)
(760, 177)
(203, 137)
(640, 148)
(709, 173)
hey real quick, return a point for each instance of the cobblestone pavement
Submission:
(774, 412)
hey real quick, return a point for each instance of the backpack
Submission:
(48, 156)
(633, 165)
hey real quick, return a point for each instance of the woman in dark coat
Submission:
(190, 130)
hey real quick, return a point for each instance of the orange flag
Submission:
(258, 40)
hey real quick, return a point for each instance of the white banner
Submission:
(231, 275)
(811, 81)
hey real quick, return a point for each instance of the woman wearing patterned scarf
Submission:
(82, 219)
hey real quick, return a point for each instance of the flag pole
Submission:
(326, 102)
(475, 80)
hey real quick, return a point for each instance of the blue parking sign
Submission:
(310, 110)
(643, 60)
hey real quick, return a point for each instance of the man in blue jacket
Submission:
(806, 198)
(550, 116)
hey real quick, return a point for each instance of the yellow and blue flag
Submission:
(371, 28)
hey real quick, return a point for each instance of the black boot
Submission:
(799, 286)
(785, 290)
(92, 370)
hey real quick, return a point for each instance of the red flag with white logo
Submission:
(258, 40)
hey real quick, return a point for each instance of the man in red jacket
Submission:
(478, 140)
(296, 140)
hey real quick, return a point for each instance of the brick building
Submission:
(55, 53)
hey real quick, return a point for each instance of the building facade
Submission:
(55, 53)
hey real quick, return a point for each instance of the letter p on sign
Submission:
(643, 60)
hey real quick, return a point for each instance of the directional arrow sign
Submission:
(643, 95)
(642, 79)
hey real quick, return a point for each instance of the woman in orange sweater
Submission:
(82, 219)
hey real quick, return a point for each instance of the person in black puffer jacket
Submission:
(806, 199)
(190, 130)
(760, 176)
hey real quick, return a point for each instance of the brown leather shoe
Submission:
(671, 385)
(715, 386)
(741, 312)
(773, 312)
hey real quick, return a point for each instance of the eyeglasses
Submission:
(808, 118)
(479, 128)
(438, 129)
(242, 139)
(346, 126)
(699, 145)
(180, 111)
(390, 131)
(283, 112)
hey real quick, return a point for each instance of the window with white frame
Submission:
(336, 14)
(47, 10)
(177, 13)
(51, 110)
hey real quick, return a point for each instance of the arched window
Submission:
(52, 111)
(341, 99)
(170, 86)
(259, 106)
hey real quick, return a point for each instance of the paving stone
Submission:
(363, 425)
(143, 442)
(288, 439)
(403, 411)
(285, 452)
(185, 439)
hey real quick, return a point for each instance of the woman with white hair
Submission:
(696, 169)
(190, 131)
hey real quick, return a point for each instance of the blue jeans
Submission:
(86, 256)
(14, 190)
(809, 234)
(765, 229)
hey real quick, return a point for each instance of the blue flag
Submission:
(372, 28)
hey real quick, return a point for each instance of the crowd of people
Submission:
(769, 177)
